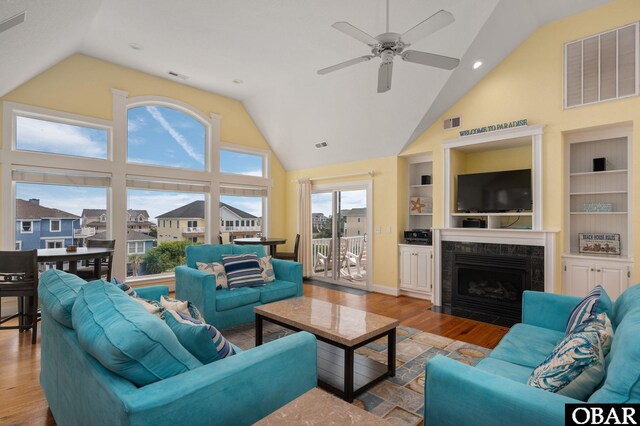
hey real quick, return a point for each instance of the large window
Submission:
(39, 135)
(242, 163)
(241, 217)
(165, 137)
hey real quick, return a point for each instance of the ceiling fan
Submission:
(387, 45)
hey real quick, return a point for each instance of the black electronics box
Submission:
(426, 179)
(599, 164)
(474, 223)
(418, 236)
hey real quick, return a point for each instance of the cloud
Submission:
(48, 136)
(158, 202)
(257, 172)
(175, 135)
(136, 124)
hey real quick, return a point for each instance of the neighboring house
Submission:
(356, 222)
(187, 223)
(138, 243)
(43, 227)
(138, 220)
(317, 221)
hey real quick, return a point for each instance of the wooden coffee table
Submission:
(340, 331)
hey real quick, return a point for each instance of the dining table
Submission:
(272, 242)
(61, 255)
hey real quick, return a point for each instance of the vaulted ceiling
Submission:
(275, 47)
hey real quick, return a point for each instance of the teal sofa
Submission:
(238, 390)
(495, 391)
(225, 308)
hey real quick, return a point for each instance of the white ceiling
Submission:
(275, 47)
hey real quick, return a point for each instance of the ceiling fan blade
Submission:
(344, 64)
(384, 76)
(430, 25)
(354, 32)
(430, 59)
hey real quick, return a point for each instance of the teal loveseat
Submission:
(223, 307)
(495, 391)
(80, 390)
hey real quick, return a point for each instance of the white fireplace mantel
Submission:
(523, 237)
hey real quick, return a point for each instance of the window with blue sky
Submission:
(241, 163)
(38, 135)
(165, 137)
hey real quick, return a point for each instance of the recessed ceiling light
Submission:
(477, 64)
(135, 46)
(238, 81)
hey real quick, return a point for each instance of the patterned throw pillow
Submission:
(216, 269)
(124, 287)
(574, 368)
(152, 306)
(584, 309)
(243, 270)
(185, 307)
(204, 341)
(600, 324)
(267, 269)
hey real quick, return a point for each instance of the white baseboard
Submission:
(385, 290)
(415, 295)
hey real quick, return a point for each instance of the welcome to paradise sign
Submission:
(494, 127)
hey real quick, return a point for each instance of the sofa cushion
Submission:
(596, 301)
(206, 253)
(622, 384)
(266, 269)
(152, 306)
(204, 341)
(601, 325)
(277, 290)
(574, 368)
(243, 270)
(628, 301)
(511, 371)
(58, 291)
(125, 338)
(184, 307)
(124, 287)
(217, 269)
(230, 299)
(527, 345)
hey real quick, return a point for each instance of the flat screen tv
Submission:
(495, 191)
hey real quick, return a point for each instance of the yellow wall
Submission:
(529, 84)
(385, 209)
(82, 85)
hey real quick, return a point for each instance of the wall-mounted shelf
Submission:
(421, 186)
(598, 193)
(604, 172)
(502, 214)
(596, 213)
(421, 214)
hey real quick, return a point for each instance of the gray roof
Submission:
(99, 212)
(195, 210)
(28, 210)
(131, 236)
(354, 212)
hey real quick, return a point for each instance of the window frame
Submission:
(55, 242)
(59, 221)
(22, 231)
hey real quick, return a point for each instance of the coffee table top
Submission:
(337, 323)
(317, 407)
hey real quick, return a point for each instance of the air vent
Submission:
(322, 144)
(177, 75)
(13, 21)
(451, 123)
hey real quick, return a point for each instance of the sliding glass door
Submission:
(341, 221)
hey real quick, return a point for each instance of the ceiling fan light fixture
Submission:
(478, 63)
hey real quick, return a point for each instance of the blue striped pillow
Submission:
(204, 341)
(583, 310)
(243, 270)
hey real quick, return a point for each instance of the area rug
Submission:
(398, 399)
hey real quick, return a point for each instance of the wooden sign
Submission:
(599, 243)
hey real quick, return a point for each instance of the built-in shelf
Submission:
(598, 212)
(604, 172)
(417, 167)
(421, 214)
(493, 214)
(598, 193)
(421, 186)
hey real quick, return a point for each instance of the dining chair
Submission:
(291, 255)
(88, 272)
(219, 238)
(19, 279)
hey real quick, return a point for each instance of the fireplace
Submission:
(485, 281)
(490, 285)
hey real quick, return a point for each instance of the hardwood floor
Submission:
(23, 401)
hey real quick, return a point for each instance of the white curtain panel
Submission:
(304, 226)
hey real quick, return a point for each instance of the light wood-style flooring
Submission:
(23, 402)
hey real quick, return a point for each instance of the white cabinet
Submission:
(416, 268)
(581, 274)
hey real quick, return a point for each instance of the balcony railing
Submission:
(84, 232)
(193, 230)
(241, 228)
(352, 256)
